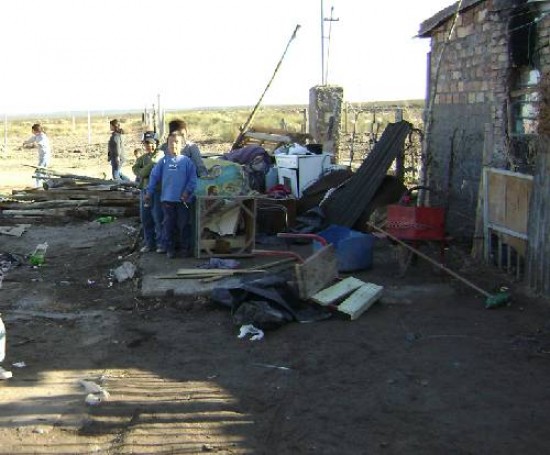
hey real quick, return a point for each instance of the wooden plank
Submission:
(518, 175)
(15, 231)
(317, 272)
(334, 293)
(361, 300)
(215, 271)
(496, 189)
(74, 194)
(518, 194)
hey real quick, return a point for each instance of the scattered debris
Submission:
(7, 261)
(4, 374)
(249, 329)
(95, 393)
(125, 272)
(218, 263)
(265, 365)
(16, 231)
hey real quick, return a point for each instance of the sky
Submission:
(74, 55)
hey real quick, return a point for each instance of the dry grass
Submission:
(79, 148)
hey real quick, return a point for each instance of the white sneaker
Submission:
(161, 250)
(145, 249)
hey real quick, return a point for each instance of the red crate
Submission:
(416, 223)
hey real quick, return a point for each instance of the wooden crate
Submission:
(238, 242)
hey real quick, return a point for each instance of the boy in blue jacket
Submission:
(178, 178)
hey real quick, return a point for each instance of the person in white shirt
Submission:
(40, 140)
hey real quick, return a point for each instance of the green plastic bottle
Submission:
(38, 257)
(106, 219)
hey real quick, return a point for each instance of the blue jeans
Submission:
(151, 220)
(43, 160)
(158, 217)
(117, 175)
(176, 221)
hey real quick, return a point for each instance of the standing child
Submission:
(189, 149)
(40, 140)
(115, 153)
(151, 211)
(178, 178)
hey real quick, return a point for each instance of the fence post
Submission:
(5, 133)
(400, 159)
(89, 128)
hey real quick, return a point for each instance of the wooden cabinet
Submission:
(224, 226)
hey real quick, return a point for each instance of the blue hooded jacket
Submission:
(177, 175)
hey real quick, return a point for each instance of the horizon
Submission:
(82, 112)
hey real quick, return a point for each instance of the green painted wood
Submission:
(361, 300)
(334, 293)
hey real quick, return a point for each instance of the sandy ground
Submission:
(426, 370)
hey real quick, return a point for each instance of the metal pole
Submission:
(322, 44)
(331, 19)
(160, 117)
(244, 128)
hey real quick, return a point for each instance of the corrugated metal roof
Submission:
(444, 15)
(427, 27)
(347, 204)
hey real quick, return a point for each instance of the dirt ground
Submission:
(426, 370)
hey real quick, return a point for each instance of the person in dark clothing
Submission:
(189, 149)
(150, 212)
(115, 154)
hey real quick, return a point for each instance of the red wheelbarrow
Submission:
(412, 223)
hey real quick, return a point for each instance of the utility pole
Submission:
(330, 20)
(322, 44)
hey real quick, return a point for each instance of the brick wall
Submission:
(471, 91)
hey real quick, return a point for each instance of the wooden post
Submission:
(5, 133)
(305, 121)
(346, 108)
(480, 236)
(89, 128)
(538, 250)
(400, 159)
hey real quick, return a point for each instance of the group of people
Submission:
(167, 176)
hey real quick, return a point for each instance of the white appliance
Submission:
(297, 172)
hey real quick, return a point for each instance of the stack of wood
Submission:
(70, 195)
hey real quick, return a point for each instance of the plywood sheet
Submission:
(361, 300)
(335, 292)
(317, 272)
(518, 193)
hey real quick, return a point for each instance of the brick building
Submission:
(486, 86)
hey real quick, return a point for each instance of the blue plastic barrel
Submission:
(353, 248)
